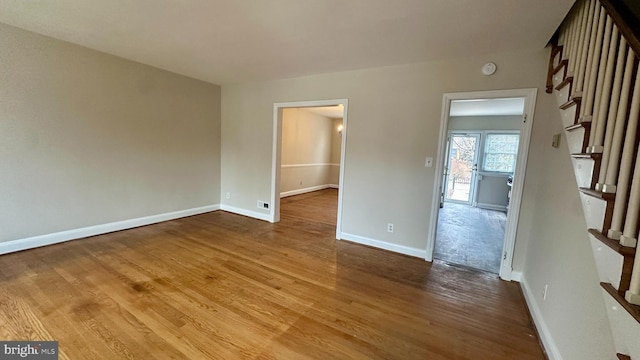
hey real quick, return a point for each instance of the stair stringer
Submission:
(609, 263)
(625, 329)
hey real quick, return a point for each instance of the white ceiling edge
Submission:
(230, 41)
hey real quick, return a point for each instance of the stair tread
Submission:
(573, 101)
(594, 156)
(568, 80)
(556, 49)
(585, 124)
(598, 194)
(562, 64)
(613, 244)
(633, 310)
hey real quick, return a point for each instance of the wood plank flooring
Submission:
(223, 286)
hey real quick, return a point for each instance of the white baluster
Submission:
(574, 57)
(561, 34)
(566, 55)
(633, 294)
(568, 39)
(603, 90)
(633, 208)
(585, 34)
(622, 178)
(595, 44)
(613, 106)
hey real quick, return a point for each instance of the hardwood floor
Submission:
(318, 207)
(223, 286)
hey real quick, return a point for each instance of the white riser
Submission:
(568, 116)
(608, 262)
(594, 210)
(626, 330)
(574, 140)
(557, 78)
(583, 169)
(562, 95)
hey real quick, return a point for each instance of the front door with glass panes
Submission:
(461, 167)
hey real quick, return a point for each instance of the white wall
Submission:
(336, 151)
(88, 138)
(493, 191)
(559, 255)
(394, 116)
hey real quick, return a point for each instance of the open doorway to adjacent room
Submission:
(484, 142)
(308, 170)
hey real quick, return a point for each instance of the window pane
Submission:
(500, 152)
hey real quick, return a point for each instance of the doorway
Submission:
(461, 167)
(298, 186)
(489, 168)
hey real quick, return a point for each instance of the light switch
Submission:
(428, 162)
(556, 141)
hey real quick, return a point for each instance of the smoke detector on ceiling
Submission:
(489, 69)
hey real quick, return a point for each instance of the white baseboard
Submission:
(553, 353)
(334, 186)
(406, 250)
(305, 190)
(516, 276)
(245, 212)
(491, 207)
(54, 238)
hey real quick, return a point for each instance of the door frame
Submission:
(529, 95)
(476, 158)
(274, 215)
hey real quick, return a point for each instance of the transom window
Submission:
(500, 152)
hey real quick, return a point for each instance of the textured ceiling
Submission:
(225, 41)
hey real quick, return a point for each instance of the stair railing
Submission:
(595, 48)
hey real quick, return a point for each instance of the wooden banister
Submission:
(626, 20)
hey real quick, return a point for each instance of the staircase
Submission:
(593, 72)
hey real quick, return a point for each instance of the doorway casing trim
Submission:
(506, 269)
(274, 215)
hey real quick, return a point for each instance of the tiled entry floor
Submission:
(470, 236)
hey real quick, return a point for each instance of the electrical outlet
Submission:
(390, 227)
(263, 205)
(544, 292)
(227, 195)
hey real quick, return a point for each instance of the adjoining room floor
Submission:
(317, 206)
(470, 236)
(225, 286)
